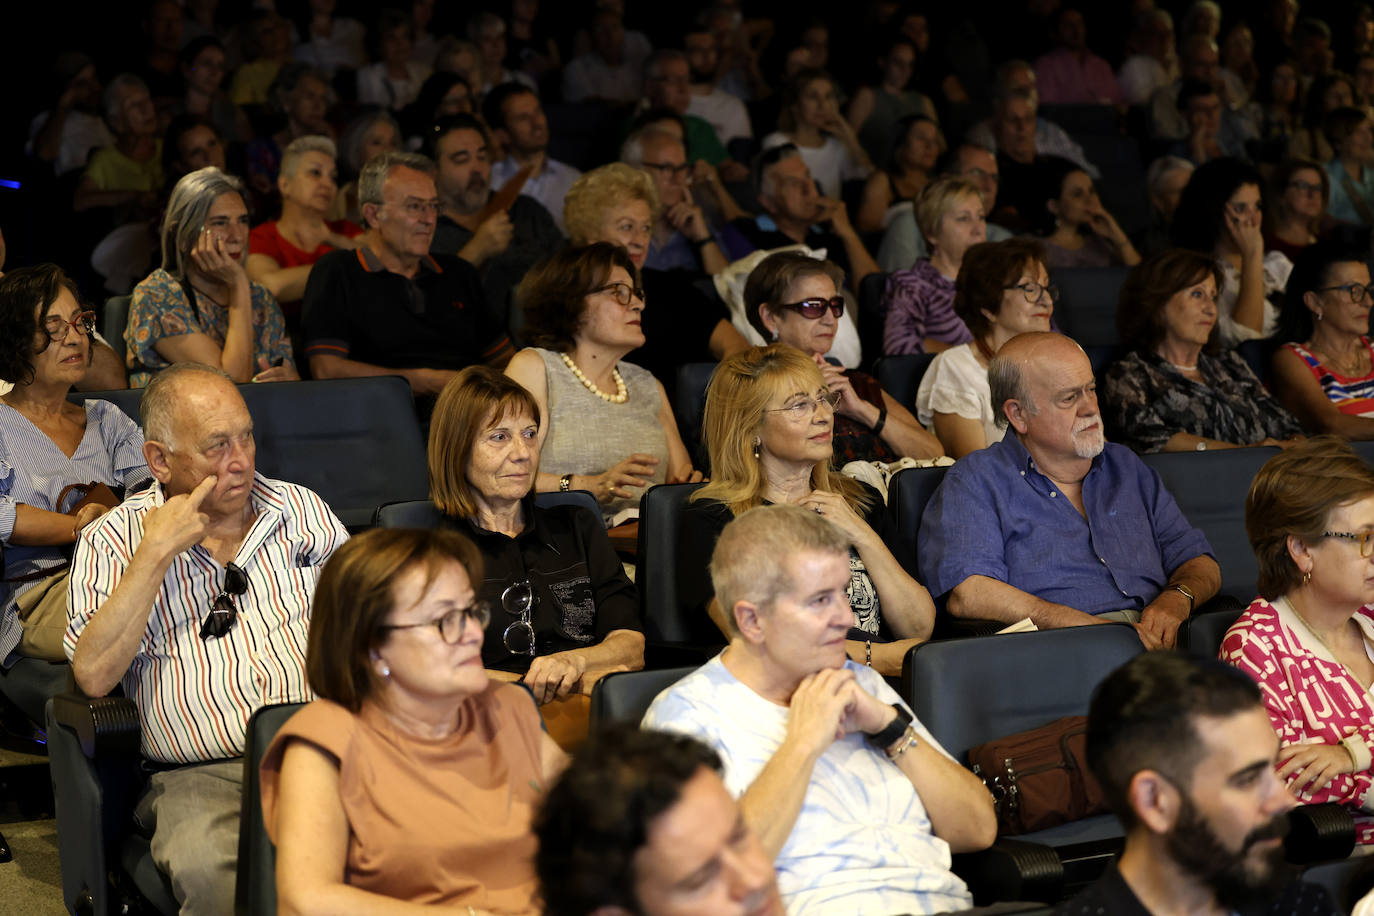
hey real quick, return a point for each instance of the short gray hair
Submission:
(187, 210)
(748, 563)
(116, 88)
(1163, 167)
(373, 177)
(297, 148)
(157, 407)
(1006, 382)
(355, 135)
(632, 150)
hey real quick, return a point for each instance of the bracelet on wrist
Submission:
(702, 243)
(879, 423)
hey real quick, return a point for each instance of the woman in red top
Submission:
(281, 253)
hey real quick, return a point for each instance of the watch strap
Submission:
(884, 739)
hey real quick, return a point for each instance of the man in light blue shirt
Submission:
(854, 800)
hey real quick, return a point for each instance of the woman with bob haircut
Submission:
(1306, 639)
(200, 306)
(1177, 391)
(413, 777)
(615, 432)
(768, 427)
(565, 612)
(1003, 290)
(792, 298)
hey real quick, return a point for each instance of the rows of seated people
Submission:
(542, 314)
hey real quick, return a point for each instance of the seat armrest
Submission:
(1011, 870)
(1319, 833)
(103, 725)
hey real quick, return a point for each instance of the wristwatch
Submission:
(1201, 446)
(884, 739)
(565, 483)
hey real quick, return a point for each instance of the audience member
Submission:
(919, 302)
(1081, 233)
(1220, 214)
(1300, 190)
(127, 174)
(907, 167)
(610, 70)
(682, 237)
(212, 530)
(1204, 113)
(265, 39)
(1351, 168)
(502, 244)
(1200, 63)
(530, 44)
(1238, 75)
(460, 56)
(1114, 547)
(1023, 170)
(1327, 94)
(1274, 36)
(67, 133)
(330, 43)
(281, 252)
(610, 428)
(1015, 123)
(571, 614)
(793, 299)
(1308, 516)
(516, 119)
(488, 32)
(1363, 73)
(641, 822)
(408, 738)
(366, 137)
(668, 85)
(1324, 372)
(394, 80)
(423, 44)
(1071, 74)
(1312, 48)
(724, 112)
(191, 142)
(442, 95)
(159, 68)
(804, 732)
(202, 71)
(47, 443)
(618, 204)
(1203, 18)
(1182, 751)
(1277, 113)
(811, 121)
(200, 306)
(1150, 63)
(1177, 390)
(390, 307)
(1004, 291)
(303, 96)
(877, 112)
(1165, 180)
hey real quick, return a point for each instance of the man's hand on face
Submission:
(178, 524)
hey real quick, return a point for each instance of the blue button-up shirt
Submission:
(996, 515)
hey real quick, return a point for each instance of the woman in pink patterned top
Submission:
(1308, 640)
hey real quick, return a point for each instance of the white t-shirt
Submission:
(831, 163)
(726, 114)
(956, 383)
(862, 844)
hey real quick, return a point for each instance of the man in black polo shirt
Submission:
(389, 307)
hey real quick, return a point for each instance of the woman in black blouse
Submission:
(768, 425)
(563, 612)
(1177, 390)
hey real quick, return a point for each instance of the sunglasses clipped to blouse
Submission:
(815, 308)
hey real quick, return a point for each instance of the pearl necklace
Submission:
(620, 396)
(1192, 368)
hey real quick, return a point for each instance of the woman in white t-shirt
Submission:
(811, 119)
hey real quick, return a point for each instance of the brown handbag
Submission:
(95, 493)
(1039, 778)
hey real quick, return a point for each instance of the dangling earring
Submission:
(1319, 315)
(775, 335)
(1307, 577)
(758, 449)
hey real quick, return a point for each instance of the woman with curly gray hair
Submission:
(200, 306)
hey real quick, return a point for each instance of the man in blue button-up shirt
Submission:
(1053, 522)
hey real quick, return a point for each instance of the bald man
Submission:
(1055, 524)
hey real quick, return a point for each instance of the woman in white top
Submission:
(1003, 289)
(812, 121)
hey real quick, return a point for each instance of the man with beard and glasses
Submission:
(1186, 756)
(1055, 524)
(503, 245)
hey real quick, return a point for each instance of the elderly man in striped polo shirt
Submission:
(195, 596)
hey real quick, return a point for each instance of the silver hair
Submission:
(1163, 167)
(157, 406)
(355, 135)
(297, 148)
(373, 177)
(632, 150)
(111, 97)
(187, 210)
(1007, 382)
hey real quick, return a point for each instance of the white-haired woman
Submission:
(200, 306)
(282, 251)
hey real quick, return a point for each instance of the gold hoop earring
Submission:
(1307, 577)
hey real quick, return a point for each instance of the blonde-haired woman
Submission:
(768, 426)
(619, 204)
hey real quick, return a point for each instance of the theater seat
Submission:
(908, 492)
(255, 889)
(1086, 310)
(665, 619)
(872, 315)
(901, 376)
(1201, 634)
(626, 695)
(689, 406)
(422, 513)
(113, 322)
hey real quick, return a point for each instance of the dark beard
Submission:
(1198, 850)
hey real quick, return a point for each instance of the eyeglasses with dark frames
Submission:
(519, 599)
(815, 308)
(58, 328)
(1364, 538)
(1033, 291)
(1355, 291)
(223, 612)
(622, 293)
(452, 625)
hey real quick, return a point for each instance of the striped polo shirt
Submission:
(195, 696)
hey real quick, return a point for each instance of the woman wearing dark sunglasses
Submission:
(47, 443)
(563, 610)
(1324, 372)
(792, 298)
(414, 777)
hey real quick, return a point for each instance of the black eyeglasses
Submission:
(1033, 291)
(1355, 291)
(224, 612)
(621, 292)
(1364, 538)
(58, 328)
(452, 625)
(519, 599)
(815, 308)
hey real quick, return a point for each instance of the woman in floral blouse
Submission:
(1177, 390)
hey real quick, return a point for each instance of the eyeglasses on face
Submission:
(223, 612)
(1307, 187)
(57, 328)
(804, 408)
(1033, 291)
(417, 209)
(815, 308)
(452, 625)
(1364, 538)
(1355, 291)
(622, 293)
(519, 599)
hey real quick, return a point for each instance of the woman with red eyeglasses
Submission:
(794, 299)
